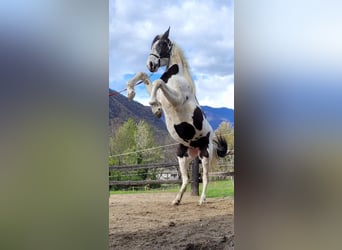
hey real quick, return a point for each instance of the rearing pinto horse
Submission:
(175, 95)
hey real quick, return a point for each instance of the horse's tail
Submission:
(221, 146)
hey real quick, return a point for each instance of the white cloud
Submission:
(203, 29)
(215, 91)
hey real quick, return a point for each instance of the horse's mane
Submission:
(177, 55)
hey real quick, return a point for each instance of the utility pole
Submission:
(195, 177)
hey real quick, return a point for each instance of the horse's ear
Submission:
(165, 36)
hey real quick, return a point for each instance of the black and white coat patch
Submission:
(193, 135)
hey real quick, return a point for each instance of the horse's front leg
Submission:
(170, 94)
(155, 104)
(141, 76)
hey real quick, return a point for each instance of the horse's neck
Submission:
(178, 58)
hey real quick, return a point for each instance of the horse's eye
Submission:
(162, 46)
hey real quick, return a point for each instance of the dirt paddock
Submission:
(149, 221)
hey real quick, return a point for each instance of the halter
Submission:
(164, 54)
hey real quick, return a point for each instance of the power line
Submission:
(147, 149)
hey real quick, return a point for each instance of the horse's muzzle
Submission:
(152, 67)
(153, 63)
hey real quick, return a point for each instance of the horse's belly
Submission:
(193, 152)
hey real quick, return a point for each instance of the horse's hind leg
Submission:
(205, 164)
(183, 165)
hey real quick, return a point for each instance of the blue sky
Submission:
(203, 29)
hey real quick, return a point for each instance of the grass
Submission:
(216, 189)
(219, 189)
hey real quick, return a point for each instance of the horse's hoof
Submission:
(130, 95)
(158, 113)
(156, 109)
(175, 202)
(201, 202)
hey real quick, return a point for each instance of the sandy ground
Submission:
(149, 221)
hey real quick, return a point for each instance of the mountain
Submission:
(120, 109)
(217, 115)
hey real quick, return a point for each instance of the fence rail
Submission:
(144, 182)
(221, 174)
(128, 168)
(143, 166)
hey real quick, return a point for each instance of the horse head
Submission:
(160, 52)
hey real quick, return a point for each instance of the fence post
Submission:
(194, 177)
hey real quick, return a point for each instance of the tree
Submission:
(134, 137)
(226, 130)
(123, 142)
(131, 145)
(144, 139)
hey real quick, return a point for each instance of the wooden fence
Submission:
(163, 167)
(127, 169)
